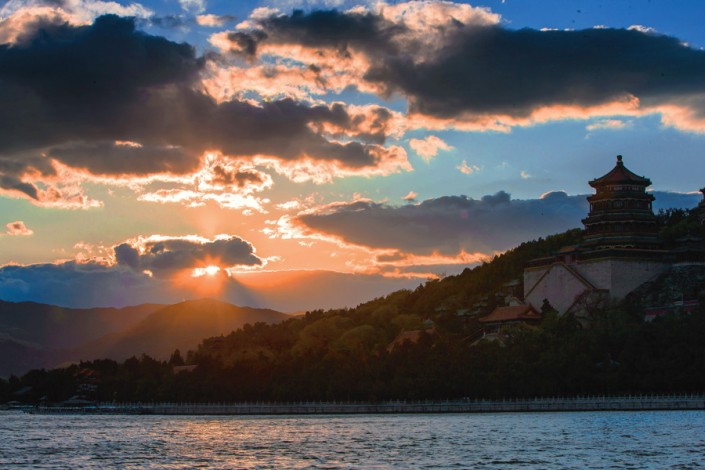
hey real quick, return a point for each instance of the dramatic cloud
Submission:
(457, 63)
(448, 225)
(18, 228)
(163, 255)
(75, 94)
(22, 18)
(230, 183)
(454, 225)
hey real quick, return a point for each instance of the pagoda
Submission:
(621, 214)
(620, 251)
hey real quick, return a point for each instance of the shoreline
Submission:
(626, 403)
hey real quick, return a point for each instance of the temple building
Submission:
(620, 251)
(509, 315)
(621, 215)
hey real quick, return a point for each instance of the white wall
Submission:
(561, 286)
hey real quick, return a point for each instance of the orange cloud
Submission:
(18, 228)
(428, 147)
(388, 160)
(410, 196)
(467, 169)
(19, 19)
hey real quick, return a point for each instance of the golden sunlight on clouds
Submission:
(429, 147)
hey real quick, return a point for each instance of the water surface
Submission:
(663, 439)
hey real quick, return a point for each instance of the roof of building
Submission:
(512, 313)
(620, 174)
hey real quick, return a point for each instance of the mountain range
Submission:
(34, 335)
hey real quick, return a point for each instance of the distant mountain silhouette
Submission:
(180, 326)
(32, 334)
(17, 357)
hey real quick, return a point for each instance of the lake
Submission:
(662, 439)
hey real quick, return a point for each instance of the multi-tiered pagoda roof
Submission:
(621, 214)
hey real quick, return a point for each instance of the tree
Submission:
(176, 359)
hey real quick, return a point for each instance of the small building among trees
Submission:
(513, 314)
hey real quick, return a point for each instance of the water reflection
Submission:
(546, 440)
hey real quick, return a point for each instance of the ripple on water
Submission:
(487, 441)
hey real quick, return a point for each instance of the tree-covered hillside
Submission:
(420, 344)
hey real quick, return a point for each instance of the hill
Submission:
(180, 326)
(17, 356)
(52, 327)
(33, 334)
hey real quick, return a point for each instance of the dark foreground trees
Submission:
(618, 354)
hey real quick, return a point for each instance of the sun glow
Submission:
(208, 281)
(211, 270)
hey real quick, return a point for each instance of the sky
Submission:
(297, 154)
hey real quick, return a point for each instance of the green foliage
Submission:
(677, 223)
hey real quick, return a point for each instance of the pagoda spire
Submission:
(621, 214)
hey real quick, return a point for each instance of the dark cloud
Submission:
(246, 43)
(13, 183)
(166, 255)
(74, 284)
(330, 28)
(127, 255)
(489, 69)
(112, 158)
(241, 178)
(451, 224)
(73, 91)
(83, 69)
(497, 70)
(282, 128)
(85, 84)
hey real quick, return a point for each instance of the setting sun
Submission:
(211, 270)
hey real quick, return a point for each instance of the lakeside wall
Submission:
(626, 403)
